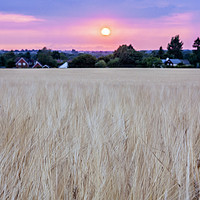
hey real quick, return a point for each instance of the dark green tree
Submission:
(10, 63)
(9, 55)
(152, 62)
(128, 56)
(83, 61)
(27, 56)
(63, 56)
(45, 58)
(101, 64)
(197, 44)
(122, 50)
(106, 58)
(2, 60)
(9, 59)
(114, 63)
(154, 53)
(196, 52)
(175, 47)
(55, 55)
(161, 53)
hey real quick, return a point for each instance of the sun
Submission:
(105, 31)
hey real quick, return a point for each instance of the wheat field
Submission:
(101, 134)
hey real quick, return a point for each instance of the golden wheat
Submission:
(99, 134)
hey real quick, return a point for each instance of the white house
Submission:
(64, 66)
(175, 62)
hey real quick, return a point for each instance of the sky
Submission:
(76, 24)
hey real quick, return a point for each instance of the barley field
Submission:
(102, 134)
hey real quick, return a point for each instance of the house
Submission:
(37, 65)
(22, 63)
(175, 62)
(64, 66)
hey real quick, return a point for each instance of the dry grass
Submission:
(74, 134)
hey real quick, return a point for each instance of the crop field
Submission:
(101, 134)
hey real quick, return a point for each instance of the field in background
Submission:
(100, 134)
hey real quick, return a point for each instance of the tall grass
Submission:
(98, 140)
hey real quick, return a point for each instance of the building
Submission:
(175, 62)
(37, 65)
(64, 66)
(22, 63)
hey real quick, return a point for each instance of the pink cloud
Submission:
(17, 18)
(178, 19)
(85, 34)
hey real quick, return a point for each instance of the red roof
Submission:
(22, 59)
(37, 64)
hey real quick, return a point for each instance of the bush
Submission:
(114, 63)
(106, 58)
(152, 62)
(101, 64)
(83, 61)
(10, 63)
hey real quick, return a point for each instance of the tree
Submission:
(55, 55)
(154, 53)
(10, 63)
(128, 56)
(122, 50)
(2, 60)
(9, 55)
(106, 58)
(27, 56)
(175, 47)
(101, 64)
(197, 44)
(114, 63)
(9, 59)
(83, 61)
(161, 53)
(152, 62)
(196, 56)
(63, 56)
(45, 58)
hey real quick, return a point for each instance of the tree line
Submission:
(44, 56)
(127, 56)
(124, 56)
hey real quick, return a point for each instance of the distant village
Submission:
(44, 58)
(124, 56)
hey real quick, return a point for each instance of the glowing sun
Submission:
(105, 31)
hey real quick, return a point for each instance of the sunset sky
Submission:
(67, 24)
